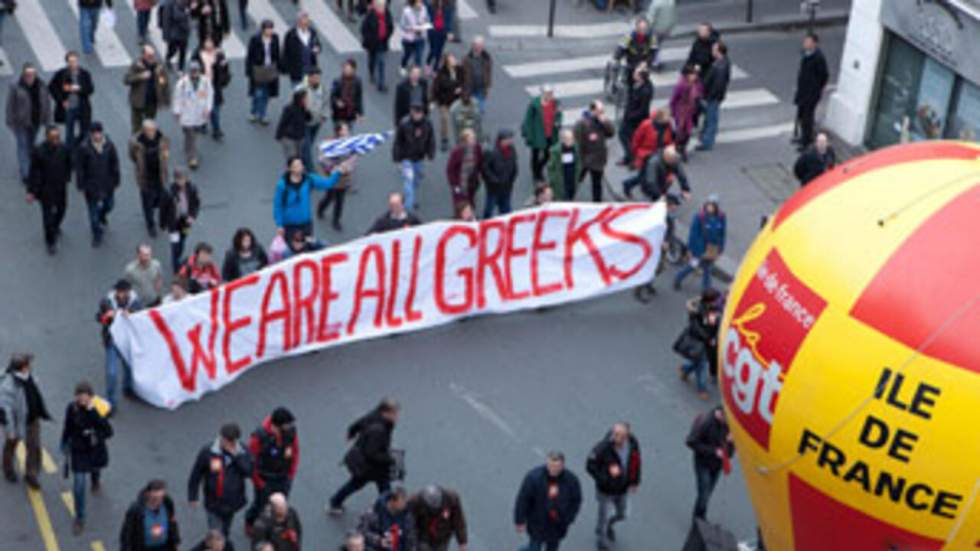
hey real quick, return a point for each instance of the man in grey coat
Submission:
(21, 411)
(28, 109)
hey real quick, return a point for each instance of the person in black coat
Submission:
(712, 445)
(245, 257)
(71, 87)
(639, 95)
(97, 176)
(179, 207)
(615, 464)
(213, 20)
(300, 48)
(700, 54)
(715, 89)
(547, 503)
(175, 18)
(262, 67)
(413, 90)
(51, 167)
(83, 445)
(222, 467)
(369, 459)
(499, 173)
(347, 96)
(395, 218)
(376, 30)
(415, 140)
(291, 130)
(810, 82)
(150, 523)
(815, 160)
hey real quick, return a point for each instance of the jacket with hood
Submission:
(380, 522)
(650, 138)
(414, 140)
(606, 467)
(14, 407)
(591, 135)
(500, 168)
(370, 457)
(223, 475)
(132, 535)
(273, 456)
(291, 204)
(97, 173)
(706, 229)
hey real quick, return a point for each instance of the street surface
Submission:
(482, 400)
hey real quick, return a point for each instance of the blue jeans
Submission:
(635, 180)
(481, 99)
(142, 24)
(705, 266)
(376, 67)
(112, 363)
(699, 367)
(98, 209)
(626, 139)
(500, 200)
(412, 177)
(706, 479)
(352, 486)
(2, 15)
(260, 101)
(437, 42)
(535, 545)
(25, 144)
(216, 119)
(74, 121)
(710, 124)
(306, 152)
(88, 22)
(78, 492)
(412, 50)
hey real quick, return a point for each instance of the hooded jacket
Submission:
(606, 467)
(272, 456)
(132, 537)
(706, 229)
(223, 475)
(291, 205)
(533, 130)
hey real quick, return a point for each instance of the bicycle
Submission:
(673, 251)
(614, 83)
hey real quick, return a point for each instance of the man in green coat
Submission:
(564, 166)
(542, 121)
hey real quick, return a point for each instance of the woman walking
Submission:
(262, 66)
(336, 194)
(446, 89)
(684, 105)
(215, 66)
(291, 130)
(414, 23)
(441, 17)
(83, 445)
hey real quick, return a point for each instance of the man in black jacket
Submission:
(414, 142)
(223, 467)
(413, 90)
(810, 82)
(396, 217)
(369, 459)
(615, 464)
(97, 176)
(499, 173)
(150, 522)
(815, 160)
(700, 54)
(661, 172)
(274, 448)
(547, 503)
(712, 445)
(300, 49)
(715, 88)
(638, 98)
(48, 183)
(71, 87)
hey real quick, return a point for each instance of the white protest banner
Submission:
(388, 283)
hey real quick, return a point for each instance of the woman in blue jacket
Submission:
(706, 242)
(291, 207)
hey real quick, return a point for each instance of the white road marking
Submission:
(41, 35)
(754, 133)
(6, 69)
(483, 410)
(154, 32)
(595, 30)
(332, 28)
(598, 62)
(107, 43)
(465, 11)
(593, 86)
(262, 9)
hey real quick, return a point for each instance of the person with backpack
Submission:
(83, 440)
(291, 205)
(713, 448)
(614, 464)
(274, 447)
(705, 242)
(369, 458)
(222, 467)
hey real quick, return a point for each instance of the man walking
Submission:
(97, 175)
(705, 242)
(28, 109)
(51, 168)
(146, 276)
(478, 73)
(414, 142)
(23, 410)
(390, 525)
(274, 447)
(300, 48)
(121, 300)
(150, 150)
(222, 467)
(143, 10)
(547, 503)
(192, 103)
(810, 82)
(639, 95)
(542, 121)
(278, 528)
(88, 21)
(150, 522)
(412, 90)
(149, 87)
(499, 173)
(369, 459)
(615, 465)
(712, 445)
(71, 87)
(439, 517)
(377, 27)
(176, 22)
(591, 133)
(715, 88)
(395, 218)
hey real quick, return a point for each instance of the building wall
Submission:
(848, 110)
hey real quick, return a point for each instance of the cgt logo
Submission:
(770, 322)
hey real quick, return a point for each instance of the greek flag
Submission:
(356, 145)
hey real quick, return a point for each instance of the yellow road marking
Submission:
(47, 462)
(43, 520)
(69, 500)
(97, 546)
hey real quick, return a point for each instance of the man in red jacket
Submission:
(274, 447)
(653, 134)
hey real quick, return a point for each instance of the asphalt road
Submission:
(482, 399)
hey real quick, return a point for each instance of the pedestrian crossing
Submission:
(578, 80)
(48, 37)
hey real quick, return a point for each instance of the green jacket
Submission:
(533, 128)
(556, 176)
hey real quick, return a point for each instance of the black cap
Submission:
(282, 416)
(96, 126)
(122, 285)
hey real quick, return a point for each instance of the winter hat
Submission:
(282, 416)
(122, 285)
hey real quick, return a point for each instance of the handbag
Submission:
(711, 252)
(264, 74)
(688, 346)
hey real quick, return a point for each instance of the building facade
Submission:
(910, 71)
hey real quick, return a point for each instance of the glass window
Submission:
(898, 88)
(935, 90)
(964, 122)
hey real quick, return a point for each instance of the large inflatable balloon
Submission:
(851, 357)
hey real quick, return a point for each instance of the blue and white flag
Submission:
(355, 145)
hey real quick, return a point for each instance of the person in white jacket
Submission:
(414, 23)
(192, 103)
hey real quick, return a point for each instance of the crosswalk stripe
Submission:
(107, 43)
(41, 35)
(465, 11)
(156, 35)
(754, 133)
(594, 62)
(332, 28)
(753, 97)
(262, 9)
(233, 46)
(6, 69)
(595, 30)
(593, 86)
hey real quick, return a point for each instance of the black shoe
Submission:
(152, 231)
(32, 482)
(96, 241)
(336, 225)
(130, 394)
(610, 533)
(11, 476)
(104, 220)
(677, 285)
(218, 136)
(52, 248)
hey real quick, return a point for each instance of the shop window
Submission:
(964, 122)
